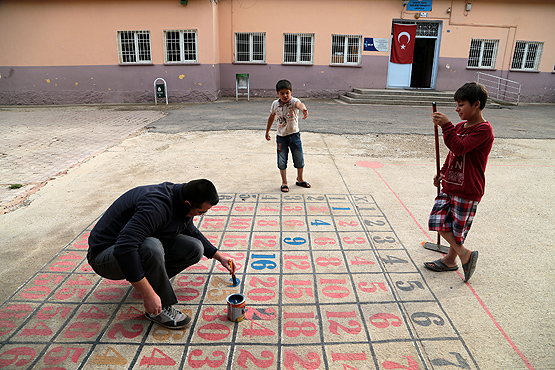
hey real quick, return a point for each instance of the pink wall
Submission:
(65, 51)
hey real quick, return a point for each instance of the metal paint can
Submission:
(235, 307)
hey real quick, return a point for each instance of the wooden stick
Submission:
(436, 134)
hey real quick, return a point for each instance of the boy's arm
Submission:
(269, 125)
(301, 106)
(461, 145)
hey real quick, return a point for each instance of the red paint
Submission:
(514, 347)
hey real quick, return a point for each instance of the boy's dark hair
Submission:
(473, 92)
(197, 192)
(284, 84)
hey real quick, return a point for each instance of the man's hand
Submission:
(268, 136)
(224, 261)
(439, 119)
(153, 304)
(305, 113)
(151, 300)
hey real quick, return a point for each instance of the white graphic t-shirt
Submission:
(286, 116)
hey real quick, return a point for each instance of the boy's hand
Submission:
(439, 119)
(305, 113)
(268, 138)
(437, 181)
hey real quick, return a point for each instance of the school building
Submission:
(112, 51)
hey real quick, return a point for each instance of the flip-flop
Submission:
(439, 266)
(285, 188)
(470, 266)
(303, 184)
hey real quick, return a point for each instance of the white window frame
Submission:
(482, 52)
(186, 55)
(252, 56)
(300, 56)
(340, 54)
(524, 50)
(136, 52)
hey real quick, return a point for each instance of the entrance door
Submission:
(422, 72)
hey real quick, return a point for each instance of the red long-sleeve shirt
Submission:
(465, 165)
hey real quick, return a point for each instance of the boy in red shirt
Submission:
(462, 177)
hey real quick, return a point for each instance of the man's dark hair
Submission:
(284, 84)
(473, 92)
(200, 191)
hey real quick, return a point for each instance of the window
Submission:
(250, 47)
(298, 48)
(134, 47)
(527, 56)
(483, 53)
(346, 49)
(180, 46)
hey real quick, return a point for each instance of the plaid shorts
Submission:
(452, 213)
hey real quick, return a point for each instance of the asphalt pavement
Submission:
(72, 162)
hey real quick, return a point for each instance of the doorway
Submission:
(424, 50)
(422, 73)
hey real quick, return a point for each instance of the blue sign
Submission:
(369, 44)
(420, 5)
(375, 44)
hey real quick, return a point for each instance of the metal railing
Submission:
(500, 88)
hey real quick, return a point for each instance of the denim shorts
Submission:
(293, 142)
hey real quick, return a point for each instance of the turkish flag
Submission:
(402, 50)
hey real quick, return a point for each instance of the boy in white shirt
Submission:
(288, 136)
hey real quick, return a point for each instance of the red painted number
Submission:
(383, 320)
(412, 364)
(12, 356)
(162, 359)
(312, 361)
(51, 359)
(218, 359)
(246, 355)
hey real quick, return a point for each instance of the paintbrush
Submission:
(232, 273)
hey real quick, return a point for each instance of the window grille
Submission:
(250, 47)
(134, 47)
(427, 29)
(181, 46)
(298, 48)
(346, 49)
(527, 55)
(483, 53)
(423, 29)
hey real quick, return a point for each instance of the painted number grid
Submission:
(328, 285)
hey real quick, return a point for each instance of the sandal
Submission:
(439, 266)
(303, 184)
(285, 188)
(470, 266)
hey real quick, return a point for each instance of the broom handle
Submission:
(436, 134)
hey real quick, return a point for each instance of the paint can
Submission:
(235, 307)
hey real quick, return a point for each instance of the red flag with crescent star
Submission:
(402, 50)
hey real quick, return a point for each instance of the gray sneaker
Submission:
(170, 318)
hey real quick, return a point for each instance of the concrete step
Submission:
(448, 94)
(400, 100)
(402, 97)
(406, 97)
